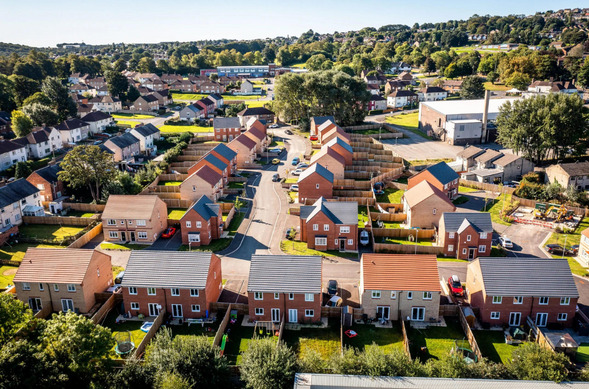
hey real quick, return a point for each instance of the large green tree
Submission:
(7, 98)
(88, 166)
(21, 124)
(117, 83)
(60, 99)
(472, 88)
(268, 366)
(533, 362)
(41, 114)
(23, 87)
(13, 315)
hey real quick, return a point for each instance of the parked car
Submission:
(335, 301)
(302, 165)
(169, 232)
(505, 242)
(290, 233)
(332, 287)
(295, 161)
(288, 132)
(275, 150)
(297, 172)
(557, 249)
(119, 277)
(314, 138)
(364, 238)
(274, 126)
(455, 286)
(294, 187)
(276, 177)
(275, 161)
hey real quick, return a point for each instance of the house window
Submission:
(463, 251)
(26, 286)
(427, 295)
(113, 234)
(565, 300)
(56, 287)
(151, 291)
(258, 296)
(140, 222)
(193, 292)
(497, 299)
(409, 295)
(188, 224)
(320, 241)
(141, 235)
(41, 287)
(175, 291)
(468, 238)
(450, 247)
(135, 306)
(132, 290)
(562, 317)
(376, 294)
(259, 311)
(544, 300)
(326, 227)
(198, 224)
(482, 248)
(309, 297)
(71, 287)
(195, 308)
(495, 315)
(276, 296)
(518, 300)
(344, 230)
(316, 186)
(350, 242)
(315, 227)
(393, 294)
(194, 237)
(111, 222)
(450, 235)
(483, 235)
(291, 296)
(309, 313)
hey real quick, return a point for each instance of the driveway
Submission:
(526, 240)
(171, 244)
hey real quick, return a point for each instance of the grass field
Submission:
(571, 239)
(583, 353)
(216, 245)
(185, 331)
(466, 189)
(438, 340)
(80, 214)
(460, 200)
(6, 275)
(495, 87)
(293, 247)
(48, 231)
(16, 252)
(235, 223)
(176, 213)
(388, 339)
(168, 129)
(133, 327)
(325, 341)
(188, 96)
(237, 185)
(131, 116)
(420, 242)
(128, 123)
(493, 346)
(494, 207)
(407, 121)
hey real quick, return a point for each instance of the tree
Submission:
(146, 65)
(472, 88)
(134, 375)
(583, 75)
(117, 83)
(60, 99)
(23, 87)
(451, 71)
(429, 66)
(7, 98)
(40, 114)
(315, 62)
(22, 170)
(266, 366)
(492, 77)
(88, 166)
(133, 93)
(533, 362)
(13, 315)
(21, 123)
(38, 97)
(518, 80)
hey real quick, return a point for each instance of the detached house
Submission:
(424, 204)
(62, 279)
(284, 287)
(73, 130)
(466, 235)
(400, 286)
(19, 198)
(440, 176)
(332, 161)
(509, 290)
(569, 174)
(147, 135)
(259, 113)
(137, 219)
(202, 223)
(47, 181)
(246, 87)
(11, 152)
(184, 283)
(317, 121)
(123, 146)
(245, 149)
(98, 121)
(203, 182)
(330, 225)
(315, 182)
(226, 129)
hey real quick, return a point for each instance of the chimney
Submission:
(485, 117)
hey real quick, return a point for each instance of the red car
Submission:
(169, 232)
(455, 286)
(313, 137)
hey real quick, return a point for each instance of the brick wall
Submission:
(308, 187)
(284, 304)
(308, 234)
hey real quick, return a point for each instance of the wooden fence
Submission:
(351, 184)
(222, 327)
(204, 138)
(352, 193)
(406, 347)
(449, 310)
(87, 237)
(389, 217)
(469, 335)
(151, 333)
(281, 331)
(331, 312)
(8, 262)
(242, 309)
(296, 211)
(60, 220)
(104, 310)
(403, 233)
(189, 158)
(486, 186)
(46, 311)
(178, 203)
(532, 204)
(172, 177)
(394, 206)
(81, 207)
(407, 249)
(164, 189)
(230, 215)
(397, 185)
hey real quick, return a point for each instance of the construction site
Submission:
(547, 215)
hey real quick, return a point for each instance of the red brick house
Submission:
(226, 155)
(217, 164)
(342, 148)
(317, 121)
(335, 133)
(146, 103)
(259, 113)
(48, 183)
(330, 225)
(226, 129)
(184, 283)
(284, 286)
(245, 149)
(255, 123)
(424, 204)
(332, 161)
(204, 182)
(259, 137)
(440, 176)
(202, 223)
(466, 235)
(509, 290)
(315, 182)
(323, 129)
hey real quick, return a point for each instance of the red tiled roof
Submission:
(400, 272)
(422, 191)
(209, 175)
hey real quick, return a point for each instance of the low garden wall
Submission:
(87, 237)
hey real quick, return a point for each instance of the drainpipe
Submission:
(50, 296)
(484, 137)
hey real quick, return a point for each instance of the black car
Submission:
(557, 249)
(290, 233)
(276, 177)
(288, 132)
(332, 287)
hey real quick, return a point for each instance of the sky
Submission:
(45, 23)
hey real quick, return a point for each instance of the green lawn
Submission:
(128, 246)
(391, 195)
(405, 241)
(216, 245)
(583, 353)
(169, 183)
(235, 223)
(169, 129)
(325, 341)
(176, 213)
(466, 189)
(237, 342)
(571, 239)
(460, 200)
(294, 247)
(6, 275)
(131, 116)
(431, 161)
(208, 331)
(53, 232)
(363, 218)
(438, 340)
(127, 123)
(493, 346)
(408, 121)
(16, 252)
(388, 339)
(237, 185)
(187, 96)
(134, 327)
(80, 213)
(494, 207)
(496, 87)
(242, 97)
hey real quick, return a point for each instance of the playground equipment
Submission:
(266, 328)
(463, 350)
(124, 344)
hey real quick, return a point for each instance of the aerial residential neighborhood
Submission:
(403, 205)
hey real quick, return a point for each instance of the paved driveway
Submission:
(171, 244)
(526, 240)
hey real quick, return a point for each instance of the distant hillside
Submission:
(9, 48)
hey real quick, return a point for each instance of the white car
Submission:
(302, 165)
(297, 172)
(294, 187)
(505, 242)
(274, 126)
(364, 238)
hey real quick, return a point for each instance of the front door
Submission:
(471, 253)
(67, 305)
(417, 314)
(123, 236)
(383, 312)
(35, 304)
(541, 319)
(176, 310)
(132, 236)
(342, 245)
(275, 314)
(153, 310)
(514, 319)
(292, 316)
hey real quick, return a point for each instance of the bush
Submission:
(375, 112)
(268, 366)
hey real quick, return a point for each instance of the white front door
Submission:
(67, 305)
(514, 318)
(275, 314)
(541, 319)
(153, 310)
(176, 310)
(417, 314)
(292, 316)
(383, 312)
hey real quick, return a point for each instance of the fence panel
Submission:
(84, 207)
(405, 339)
(61, 220)
(486, 186)
(173, 177)
(87, 237)
(469, 335)
(403, 233)
(177, 203)
(222, 326)
(151, 333)
(407, 249)
(104, 310)
(388, 217)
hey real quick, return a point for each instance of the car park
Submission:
(505, 242)
(295, 161)
(455, 286)
(169, 232)
(294, 187)
(275, 161)
(332, 287)
(364, 238)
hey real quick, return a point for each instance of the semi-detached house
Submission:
(441, 176)
(19, 198)
(11, 152)
(466, 235)
(202, 223)
(226, 129)
(203, 182)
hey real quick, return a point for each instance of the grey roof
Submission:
(206, 208)
(443, 172)
(337, 140)
(125, 140)
(526, 277)
(470, 152)
(453, 220)
(216, 162)
(575, 168)
(71, 124)
(319, 169)
(231, 122)
(16, 191)
(146, 130)
(49, 173)
(167, 269)
(194, 108)
(255, 111)
(96, 116)
(216, 96)
(339, 212)
(225, 151)
(7, 146)
(285, 274)
(319, 120)
(341, 381)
